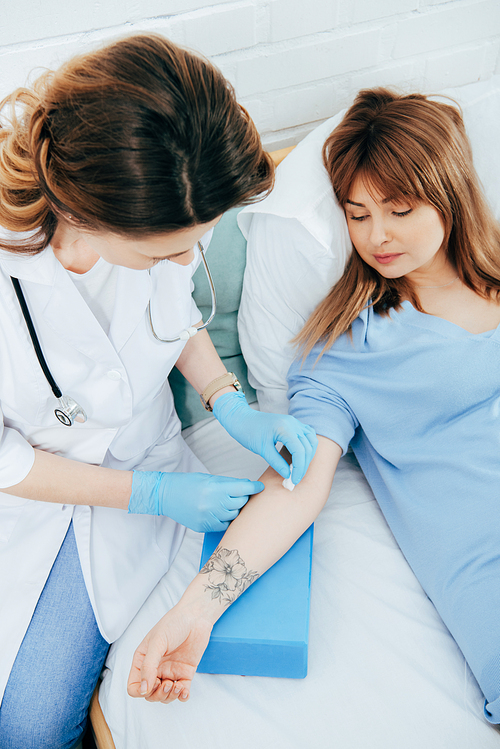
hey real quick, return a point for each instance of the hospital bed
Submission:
(384, 672)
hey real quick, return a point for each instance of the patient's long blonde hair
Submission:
(413, 148)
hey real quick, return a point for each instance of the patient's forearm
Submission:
(264, 530)
(165, 661)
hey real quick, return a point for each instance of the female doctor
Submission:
(112, 170)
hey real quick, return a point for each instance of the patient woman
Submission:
(402, 361)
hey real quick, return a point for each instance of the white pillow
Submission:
(297, 248)
(480, 103)
(298, 242)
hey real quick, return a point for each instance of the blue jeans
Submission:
(58, 664)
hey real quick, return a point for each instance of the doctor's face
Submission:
(143, 253)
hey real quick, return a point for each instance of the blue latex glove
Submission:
(200, 501)
(259, 432)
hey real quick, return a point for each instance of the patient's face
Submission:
(393, 236)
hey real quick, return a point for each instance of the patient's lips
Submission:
(387, 258)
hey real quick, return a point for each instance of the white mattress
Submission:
(384, 673)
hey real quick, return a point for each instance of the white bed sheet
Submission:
(384, 673)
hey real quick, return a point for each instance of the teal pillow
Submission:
(226, 257)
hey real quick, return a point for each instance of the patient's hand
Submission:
(166, 660)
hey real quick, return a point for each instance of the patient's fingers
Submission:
(176, 690)
(166, 660)
(170, 690)
(164, 692)
(134, 677)
(143, 679)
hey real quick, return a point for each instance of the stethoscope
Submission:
(69, 410)
(185, 335)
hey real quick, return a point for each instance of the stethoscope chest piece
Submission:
(69, 411)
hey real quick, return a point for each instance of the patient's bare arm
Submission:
(227, 575)
(165, 662)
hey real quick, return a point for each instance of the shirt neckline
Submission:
(97, 265)
(438, 324)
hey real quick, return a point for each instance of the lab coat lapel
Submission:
(133, 291)
(67, 313)
(65, 310)
(40, 268)
(54, 300)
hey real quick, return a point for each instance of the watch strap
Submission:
(224, 381)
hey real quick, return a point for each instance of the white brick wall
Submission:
(293, 62)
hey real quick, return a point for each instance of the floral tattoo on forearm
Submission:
(227, 574)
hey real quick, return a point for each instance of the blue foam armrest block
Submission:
(265, 631)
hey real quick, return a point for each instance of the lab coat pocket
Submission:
(154, 423)
(11, 509)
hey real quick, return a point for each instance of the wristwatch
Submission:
(223, 381)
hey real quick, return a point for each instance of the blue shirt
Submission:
(418, 398)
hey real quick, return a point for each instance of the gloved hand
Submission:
(200, 501)
(259, 432)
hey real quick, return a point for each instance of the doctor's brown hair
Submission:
(137, 138)
(415, 149)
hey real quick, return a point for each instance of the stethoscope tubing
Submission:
(205, 324)
(34, 338)
(69, 410)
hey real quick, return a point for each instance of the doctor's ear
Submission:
(67, 218)
(60, 214)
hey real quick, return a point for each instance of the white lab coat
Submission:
(121, 382)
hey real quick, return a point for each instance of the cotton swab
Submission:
(288, 483)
